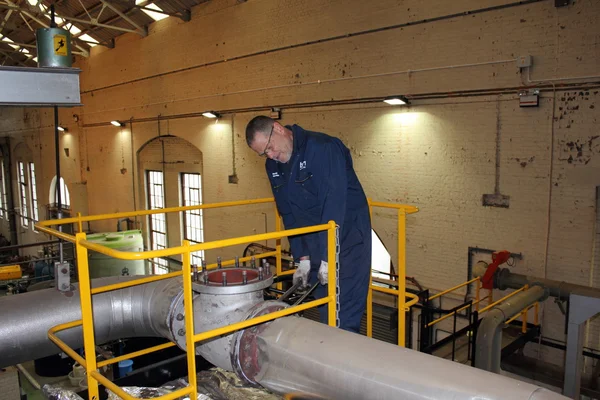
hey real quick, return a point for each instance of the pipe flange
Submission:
(500, 277)
(177, 320)
(244, 355)
(233, 280)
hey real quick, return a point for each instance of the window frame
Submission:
(33, 193)
(23, 189)
(192, 221)
(157, 221)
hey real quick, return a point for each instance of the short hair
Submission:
(258, 124)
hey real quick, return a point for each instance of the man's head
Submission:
(269, 138)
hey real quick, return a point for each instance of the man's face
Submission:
(276, 145)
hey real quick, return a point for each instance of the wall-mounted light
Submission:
(396, 100)
(116, 123)
(210, 114)
(275, 113)
(62, 128)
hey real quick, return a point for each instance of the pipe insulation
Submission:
(141, 310)
(489, 334)
(297, 355)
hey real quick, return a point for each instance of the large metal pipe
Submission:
(135, 311)
(290, 354)
(489, 334)
(296, 355)
(504, 279)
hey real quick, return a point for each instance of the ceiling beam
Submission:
(143, 30)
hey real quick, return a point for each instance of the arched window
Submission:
(65, 199)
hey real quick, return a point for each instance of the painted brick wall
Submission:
(439, 154)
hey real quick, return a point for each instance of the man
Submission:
(313, 182)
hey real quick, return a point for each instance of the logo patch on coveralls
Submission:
(275, 174)
(302, 164)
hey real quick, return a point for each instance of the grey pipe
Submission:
(504, 279)
(489, 334)
(297, 355)
(135, 311)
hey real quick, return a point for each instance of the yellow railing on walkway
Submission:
(185, 250)
(477, 281)
(402, 305)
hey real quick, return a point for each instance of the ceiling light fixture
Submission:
(116, 123)
(210, 114)
(396, 101)
(61, 128)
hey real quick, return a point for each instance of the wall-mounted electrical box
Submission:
(524, 61)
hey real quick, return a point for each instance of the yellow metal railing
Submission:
(522, 313)
(86, 292)
(402, 305)
(83, 245)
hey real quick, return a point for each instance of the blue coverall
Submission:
(316, 185)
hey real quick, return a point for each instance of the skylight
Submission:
(8, 41)
(90, 40)
(154, 15)
(73, 29)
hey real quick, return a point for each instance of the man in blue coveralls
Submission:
(313, 182)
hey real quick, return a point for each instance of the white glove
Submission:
(323, 273)
(301, 274)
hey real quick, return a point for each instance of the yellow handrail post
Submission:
(477, 294)
(189, 318)
(278, 265)
(536, 316)
(370, 291)
(79, 223)
(87, 316)
(401, 276)
(524, 320)
(331, 278)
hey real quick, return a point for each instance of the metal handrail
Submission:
(403, 306)
(141, 213)
(82, 245)
(435, 296)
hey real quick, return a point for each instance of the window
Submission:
(193, 229)
(157, 222)
(32, 186)
(23, 193)
(65, 198)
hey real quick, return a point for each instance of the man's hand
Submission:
(301, 274)
(323, 273)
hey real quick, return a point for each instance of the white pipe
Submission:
(319, 81)
(30, 378)
(558, 79)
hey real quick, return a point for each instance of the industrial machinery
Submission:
(287, 355)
